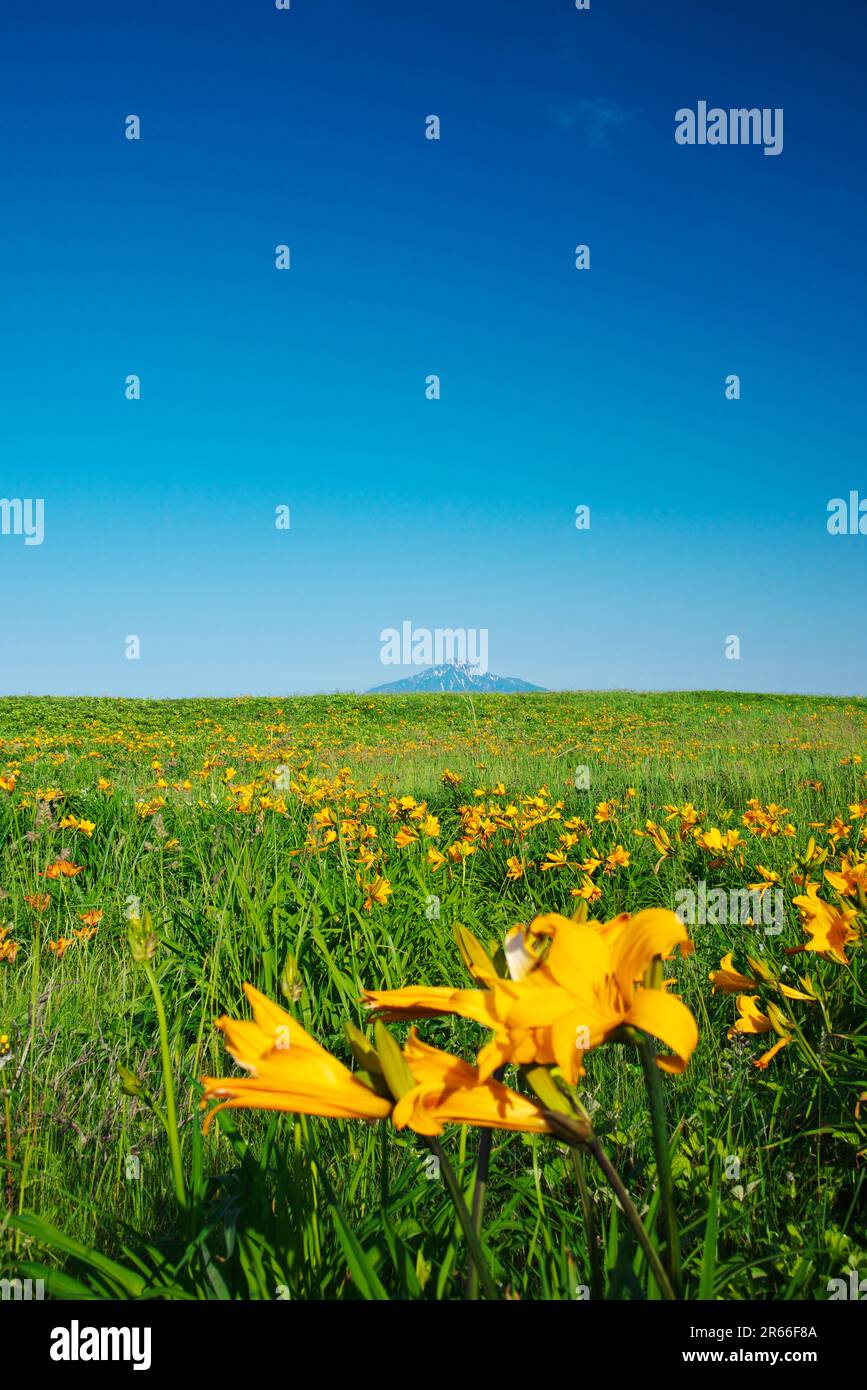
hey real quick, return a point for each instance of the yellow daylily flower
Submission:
(768, 1056)
(719, 842)
(450, 1091)
(687, 815)
(768, 877)
(587, 890)
(850, 877)
(461, 850)
(379, 891)
(583, 991)
(554, 859)
(829, 928)
(86, 827)
(660, 837)
(288, 1070)
(728, 980)
(617, 859)
(751, 1019)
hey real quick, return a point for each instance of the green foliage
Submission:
(767, 1166)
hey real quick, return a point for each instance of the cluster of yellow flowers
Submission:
(486, 824)
(751, 1020)
(831, 930)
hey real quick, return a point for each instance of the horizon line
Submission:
(462, 694)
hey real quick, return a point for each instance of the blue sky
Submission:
(409, 257)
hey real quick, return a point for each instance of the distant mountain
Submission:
(454, 677)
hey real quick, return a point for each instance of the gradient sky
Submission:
(409, 256)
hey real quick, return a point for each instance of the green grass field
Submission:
(263, 837)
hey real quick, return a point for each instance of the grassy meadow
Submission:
(318, 847)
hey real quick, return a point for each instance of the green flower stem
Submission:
(656, 1102)
(469, 1230)
(471, 1288)
(634, 1220)
(10, 1185)
(171, 1116)
(580, 1134)
(483, 1163)
(597, 1279)
(383, 1160)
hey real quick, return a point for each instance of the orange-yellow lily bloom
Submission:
(584, 990)
(750, 1017)
(730, 981)
(752, 1020)
(449, 1091)
(288, 1070)
(829, 928)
